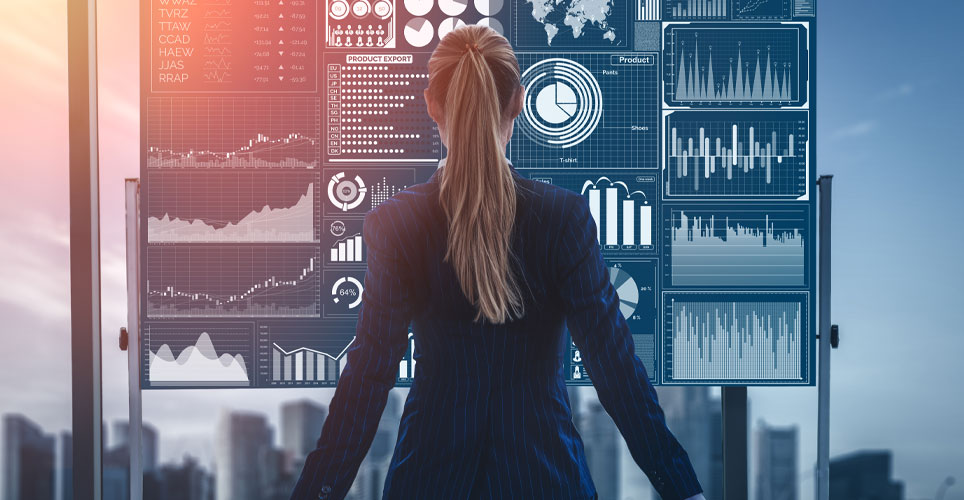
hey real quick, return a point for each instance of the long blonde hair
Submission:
(473, 76)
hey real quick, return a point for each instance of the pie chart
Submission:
(562, 103)
(448, 25)
(557, 103)
(488, 7)
(419, 32)
(626, 289)
(419, 7)
(453, 7)
(492, 23)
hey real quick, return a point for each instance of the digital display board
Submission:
(269, 128)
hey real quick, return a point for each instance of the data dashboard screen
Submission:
(269, 128)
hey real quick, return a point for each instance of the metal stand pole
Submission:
(84, 249)
(823, 378)
(132, 340)
(735, 453)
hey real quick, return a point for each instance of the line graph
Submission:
(195, 355)
(233, 206)
(717, 65)
(743, 247)
(303, 354)
(759, 154)
(233, 281)
(757, 10)
(233, 132)
(735, 337)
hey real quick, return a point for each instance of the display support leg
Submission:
(735, 453)
(133, 338)
(823, 378)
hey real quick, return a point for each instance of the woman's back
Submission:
(488, 269)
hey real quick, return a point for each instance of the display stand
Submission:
(734, 398)
(131, 336)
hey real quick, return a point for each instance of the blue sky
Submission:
(889, 128)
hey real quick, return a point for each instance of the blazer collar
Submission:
(441, 163)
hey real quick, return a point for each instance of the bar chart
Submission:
(238, 281)
(348, 249)
(697, 10)
(737, 154)
(735, 337)
(622, 206)
(648, 10)
(228, 132)
(736, 246)
(406, 367)
(715, 65)
(303, 354)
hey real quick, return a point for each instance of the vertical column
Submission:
(594, 209)
(612, 217)
(276, 366)
(300, 365)
(350, 250)
(411, 351)
(629, 222)
(358, 248)
(310, 365)
(646, 225)
(287, 367)
(334, 109)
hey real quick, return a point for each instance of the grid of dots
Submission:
(383, 115)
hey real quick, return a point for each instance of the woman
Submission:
(488, 268)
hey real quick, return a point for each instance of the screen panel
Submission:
(270, 128)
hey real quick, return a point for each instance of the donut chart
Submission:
(562, 103)
(626, 289)
(346, 194)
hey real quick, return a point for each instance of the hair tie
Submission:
(471, 46)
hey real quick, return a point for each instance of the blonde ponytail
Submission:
(474, 74)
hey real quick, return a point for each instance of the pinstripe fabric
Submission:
(488, 415)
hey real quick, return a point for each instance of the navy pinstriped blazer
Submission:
(488, 414)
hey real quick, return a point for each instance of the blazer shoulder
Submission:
(401, 214)
(551, 202)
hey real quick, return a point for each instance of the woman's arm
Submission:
(381, 338)
(602, 335)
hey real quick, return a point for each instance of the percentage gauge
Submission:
(347, 288)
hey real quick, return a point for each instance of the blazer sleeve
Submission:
(381, 339)
(600, 332)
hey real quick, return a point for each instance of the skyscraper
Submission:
(301, 423)
(66, 466)
(28, 460)
(243, 456)
(601, 438)
(864, 475)
(370, 480)
(120, 437)
(776, 462)
(688, 410)
(188, 481)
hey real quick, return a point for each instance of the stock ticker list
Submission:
(269, 128)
